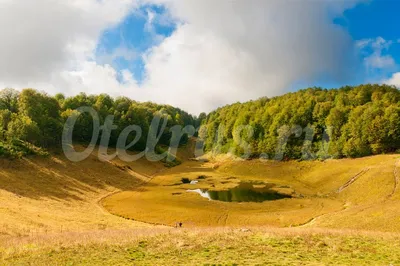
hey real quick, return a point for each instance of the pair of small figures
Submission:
(179, 224)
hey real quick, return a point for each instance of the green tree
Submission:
(24, 128)
(45, 112)
(5, 118)
(9, 100)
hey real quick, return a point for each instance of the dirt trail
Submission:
(396, 179)
(343, 187)
(312, 220)
(352, 180)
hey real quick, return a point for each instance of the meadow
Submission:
(56, 212)
(211, 246)
(348, 193)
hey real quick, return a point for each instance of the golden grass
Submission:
(165, 199)
(206, 246)
(57, 212)
(45, 195)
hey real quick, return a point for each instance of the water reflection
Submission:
(244, 192)
(201, 192)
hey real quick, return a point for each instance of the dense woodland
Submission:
(345, 122)
(30, 119)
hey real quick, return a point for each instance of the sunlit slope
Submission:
(314, 177)
(372, 202)
(367, 187)
(55, 195)
(323, 189)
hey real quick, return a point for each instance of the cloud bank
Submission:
(221, 51)
(393, 80)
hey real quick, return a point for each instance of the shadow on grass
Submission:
(57, 178)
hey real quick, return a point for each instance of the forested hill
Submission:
(31, 117)
(345, 122)
(357, 121)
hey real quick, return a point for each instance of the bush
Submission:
(18, 148)
(185, 180)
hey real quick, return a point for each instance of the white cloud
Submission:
(122, 51)
(373, 50)
(151, 19)
(229, 51)
(222, 51)
(394, 80)
(379, 61)
(40, 37)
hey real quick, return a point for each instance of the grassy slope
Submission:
(164, 200)
(50, 213)
(40, 195)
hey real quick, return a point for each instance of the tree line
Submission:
(309, 124)
(346, 122)
(31, 119)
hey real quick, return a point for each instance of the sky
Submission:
(197, 55)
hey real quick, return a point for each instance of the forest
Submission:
(313, 123)
(32, 121)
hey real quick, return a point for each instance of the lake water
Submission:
(244, 192)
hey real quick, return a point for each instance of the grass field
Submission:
(55, 212)
(327, 194)
(48, 195)
(212, 246)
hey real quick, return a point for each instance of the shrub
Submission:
(185, 180)
(18, 148)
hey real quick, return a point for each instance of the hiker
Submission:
(178, 224)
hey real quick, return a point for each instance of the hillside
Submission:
(52, 195)
(30, 118)
(320, 209)
(360, 194)
(53, 212)
(314, 123)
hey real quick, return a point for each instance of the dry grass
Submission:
(207, 246)
(50, 213)
(165, 199)
(41, 195)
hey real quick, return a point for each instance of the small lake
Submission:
(244, 192)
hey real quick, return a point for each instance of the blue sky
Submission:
(134, 34)
(376, 18)
(369, 20)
